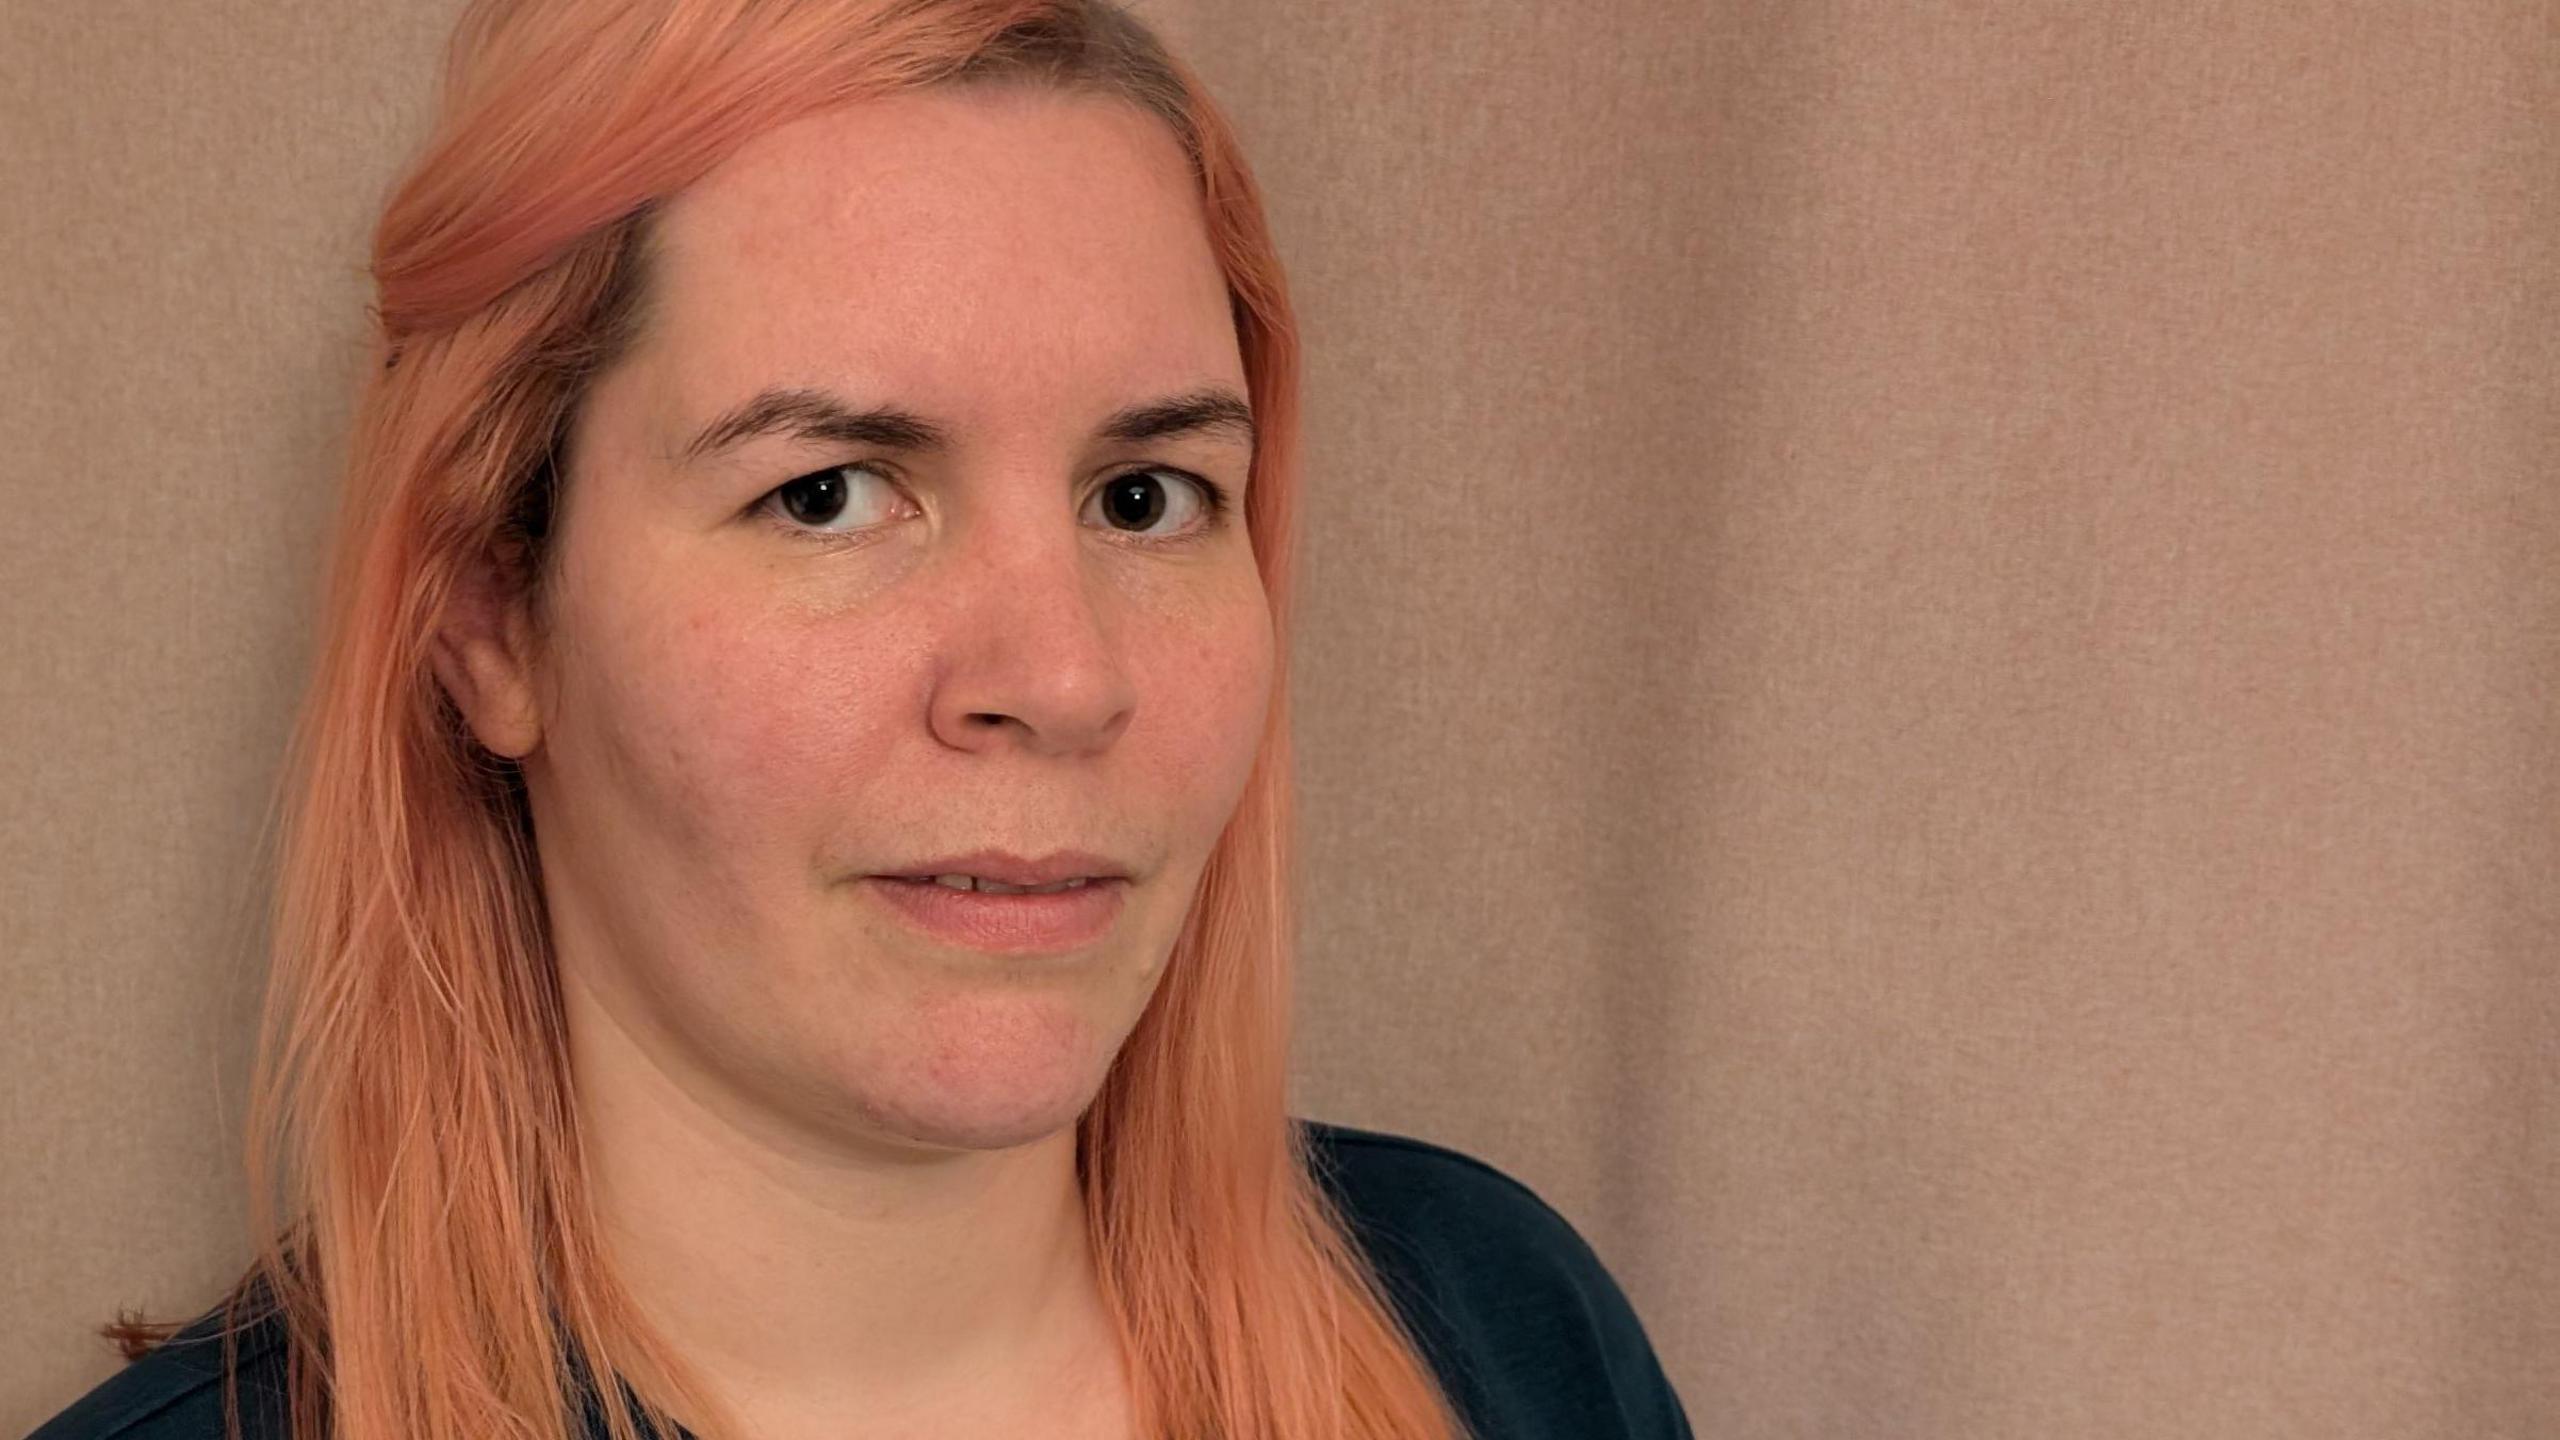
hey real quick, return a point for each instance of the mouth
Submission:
(980, 884)
(1054, 919)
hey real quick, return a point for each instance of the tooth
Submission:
(998, 887)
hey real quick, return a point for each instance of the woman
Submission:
(827, 457)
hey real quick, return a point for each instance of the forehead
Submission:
(948, 245)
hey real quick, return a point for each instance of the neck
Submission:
(811, 1280)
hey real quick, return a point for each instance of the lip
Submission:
(1005, 924)
(1008, 868)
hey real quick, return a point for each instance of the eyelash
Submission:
(1214, 504)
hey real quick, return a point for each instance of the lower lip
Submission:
(1006, 924)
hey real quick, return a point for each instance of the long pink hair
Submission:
(417, 1198)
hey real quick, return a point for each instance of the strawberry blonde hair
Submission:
(422, 1226)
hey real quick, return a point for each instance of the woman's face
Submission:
(1029, 637)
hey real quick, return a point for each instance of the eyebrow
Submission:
(806, 414)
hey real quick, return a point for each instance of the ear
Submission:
(483, 654)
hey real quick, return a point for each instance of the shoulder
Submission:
(1530, 1330)
(175, 1392)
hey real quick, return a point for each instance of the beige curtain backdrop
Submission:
(1930, 692)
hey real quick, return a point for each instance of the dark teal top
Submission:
(1527, 1331)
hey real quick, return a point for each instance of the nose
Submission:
(1030, 645)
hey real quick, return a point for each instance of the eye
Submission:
(816, 499)
(809, 506)
(1135, 496)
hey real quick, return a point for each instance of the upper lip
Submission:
(1006, 868)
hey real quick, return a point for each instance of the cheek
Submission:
(1212, 695)
(742, 724)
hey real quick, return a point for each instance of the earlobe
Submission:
(479, 656)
